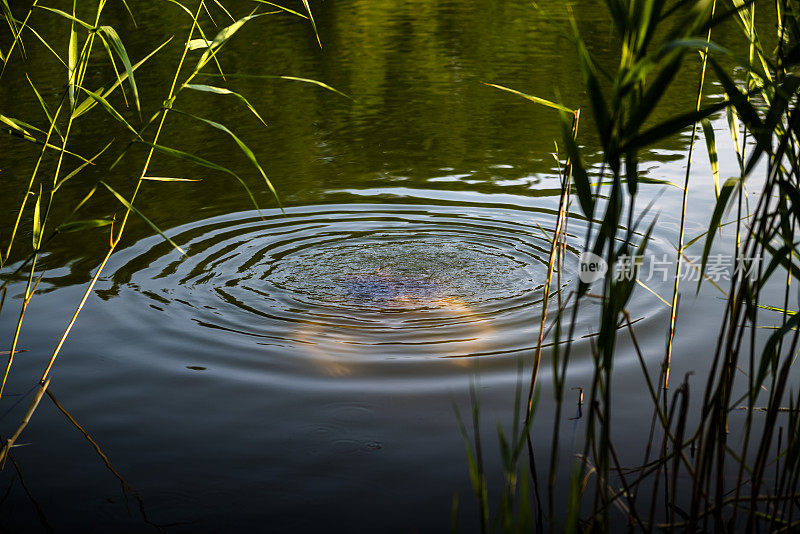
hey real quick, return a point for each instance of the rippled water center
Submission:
(352, 285)
(300, 369)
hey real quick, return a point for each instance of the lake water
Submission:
(299, 369)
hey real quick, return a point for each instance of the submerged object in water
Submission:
(382, 285)
(416, 305)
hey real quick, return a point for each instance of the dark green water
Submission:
(297, 370)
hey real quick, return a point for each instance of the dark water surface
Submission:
(297, 370)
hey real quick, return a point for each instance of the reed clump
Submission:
(702, 469)
(120, 170)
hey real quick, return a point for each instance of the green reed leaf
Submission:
(37, 221)
(197, 160)
(222, 37)
(671, 127)
(110, 109)
(116, 44)
(313, 24)
(44, 107)
(169, 179)
(5, 9)
(46, 45)
(223, 91)
(90, 102)
(130, 13)
(67, 16)
(739, 100)
(581, 180)
(129, 206)
(224, 9)
(730, 185)
(17, 129)
(780, 106)
(290, 78)
(242, 146)
(73, 63)
(532, 98)
(282, 8)
(196, 44)
(711, 145)
(81, 167)
(77, 226)
(600, 110)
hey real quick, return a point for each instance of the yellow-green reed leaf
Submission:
(653, 292)
(204, 5)
(580, 178)
(9, 16)
(291, 78)
(242, 146)
(89, 102)
(113, 112)
(222, 7)
(197, 160)
(130, 13)
(169, 179)
(46, 44)
(183, 7)
(282, 8)
(73, 63)
(196, 44)
(703, 234)
(314, 82)
(114, 66)
(223, 91)
(81, 167)
(728, 188)
(313, 24)
(85, 199)
(37, 221)
(77, 226)
(44, 107)
(711, 145)
(741, 101)
(145, 219)
(589, 69)
(532, 98)
(733, 126)
(17, 125)
(119, 49)
(67, 16)
(781, 105)
(671, 127)
(18, 130)
(222, 37)
(776, 309)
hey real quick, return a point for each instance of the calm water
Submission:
(299, 369)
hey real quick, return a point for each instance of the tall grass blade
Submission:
(223, 91)
(242, 146)
(203, 163)
(711, 146)
(130, 206)
(88, 103)
(313, 24)
(116, 44)
(111, 111)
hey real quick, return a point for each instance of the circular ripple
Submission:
(344, 286)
